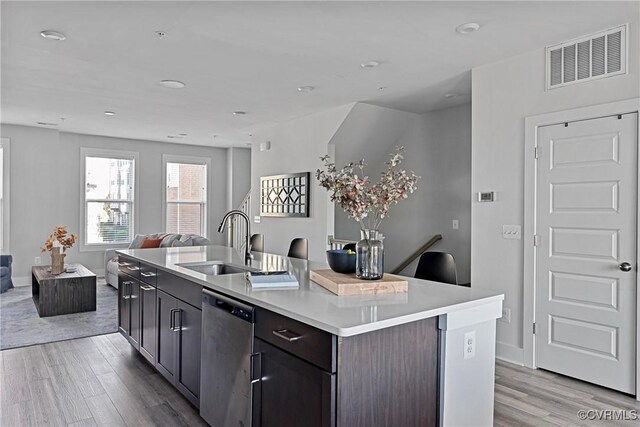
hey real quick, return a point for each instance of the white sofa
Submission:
(168, 240)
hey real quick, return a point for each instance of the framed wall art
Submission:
(285, 195)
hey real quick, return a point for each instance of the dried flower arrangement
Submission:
(363, 201)
(59, 238)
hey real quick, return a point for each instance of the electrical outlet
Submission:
(37, 260)
(470, 345)
(455, 224)
(256, 219)
(506, 315)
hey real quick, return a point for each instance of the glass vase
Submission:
(370, 255)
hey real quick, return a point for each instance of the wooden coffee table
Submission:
(64, 293)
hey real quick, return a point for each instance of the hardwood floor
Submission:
(102, 381)
(525, 397)
(95, 381)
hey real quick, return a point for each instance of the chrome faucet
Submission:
(247, 247)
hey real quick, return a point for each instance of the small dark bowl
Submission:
(341, 262)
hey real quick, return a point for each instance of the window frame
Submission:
(109, 154)
(191, 160)
(5, 233)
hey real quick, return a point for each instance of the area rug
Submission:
(20, 324)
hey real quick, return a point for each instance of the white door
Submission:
(586, 207)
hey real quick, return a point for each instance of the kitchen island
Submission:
(425, 357)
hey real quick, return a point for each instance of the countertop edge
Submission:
(340, 332)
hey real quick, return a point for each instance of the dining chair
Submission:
(437, 267)
(299, 248)
(257, 242)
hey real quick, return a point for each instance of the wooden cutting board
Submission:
(349, 284)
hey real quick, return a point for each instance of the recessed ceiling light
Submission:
(53, 35)
(47, 124)
(381, 88)
(305, 89)
(467, 28)
(182, 134)
(370, 64)
(175, 136)
(239, 113)
(109, 113)
(160, 34)
(172, 84)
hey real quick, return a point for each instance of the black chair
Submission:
(437, 267)
(257, 243)
(299, 248)
(349, 246)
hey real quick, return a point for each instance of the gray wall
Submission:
(296, 146)
(238, 176)
(438, 148)
(45, 189)
(504, 94)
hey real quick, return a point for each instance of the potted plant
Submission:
(368, 203)
(60, 239)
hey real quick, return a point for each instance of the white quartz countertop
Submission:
(312, 304)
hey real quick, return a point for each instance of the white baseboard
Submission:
(21, 280)
(509, 353)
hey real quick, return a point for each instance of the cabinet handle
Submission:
(287, 335)
(122, 264)
(147, 288)
(148, 274)
(133, 268)
(174, 327)
(255, 369)
(125, 294)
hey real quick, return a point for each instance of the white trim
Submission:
(531, 131)
(6, 194)
(113, 154)
(509, 353)
(173, 158)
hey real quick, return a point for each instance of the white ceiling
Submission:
(252, 56)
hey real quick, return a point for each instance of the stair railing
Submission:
(432, 241)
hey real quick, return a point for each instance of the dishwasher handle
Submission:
(228, 305)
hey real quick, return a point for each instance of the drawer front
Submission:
(180, 288)
(129, 266)
(301, 340)
(148, 274)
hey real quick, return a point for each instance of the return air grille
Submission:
(587, 58)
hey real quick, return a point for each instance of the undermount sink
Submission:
(215, 268)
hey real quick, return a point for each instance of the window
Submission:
(185, 195)
(109, 194)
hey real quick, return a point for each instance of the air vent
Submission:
(592, 57)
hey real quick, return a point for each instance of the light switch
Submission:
(256, 219)
(455, 224)
(511, 232)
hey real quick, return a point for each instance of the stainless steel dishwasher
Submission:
(227, 361)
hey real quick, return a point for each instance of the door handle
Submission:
(626, 267)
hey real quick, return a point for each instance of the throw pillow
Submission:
(168, 240)
(150, 243)
(137, 241)
(178, 244)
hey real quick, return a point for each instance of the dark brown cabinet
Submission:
(292, 392)
(129, 309)
(178, 352)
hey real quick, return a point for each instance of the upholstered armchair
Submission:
(5, 273)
